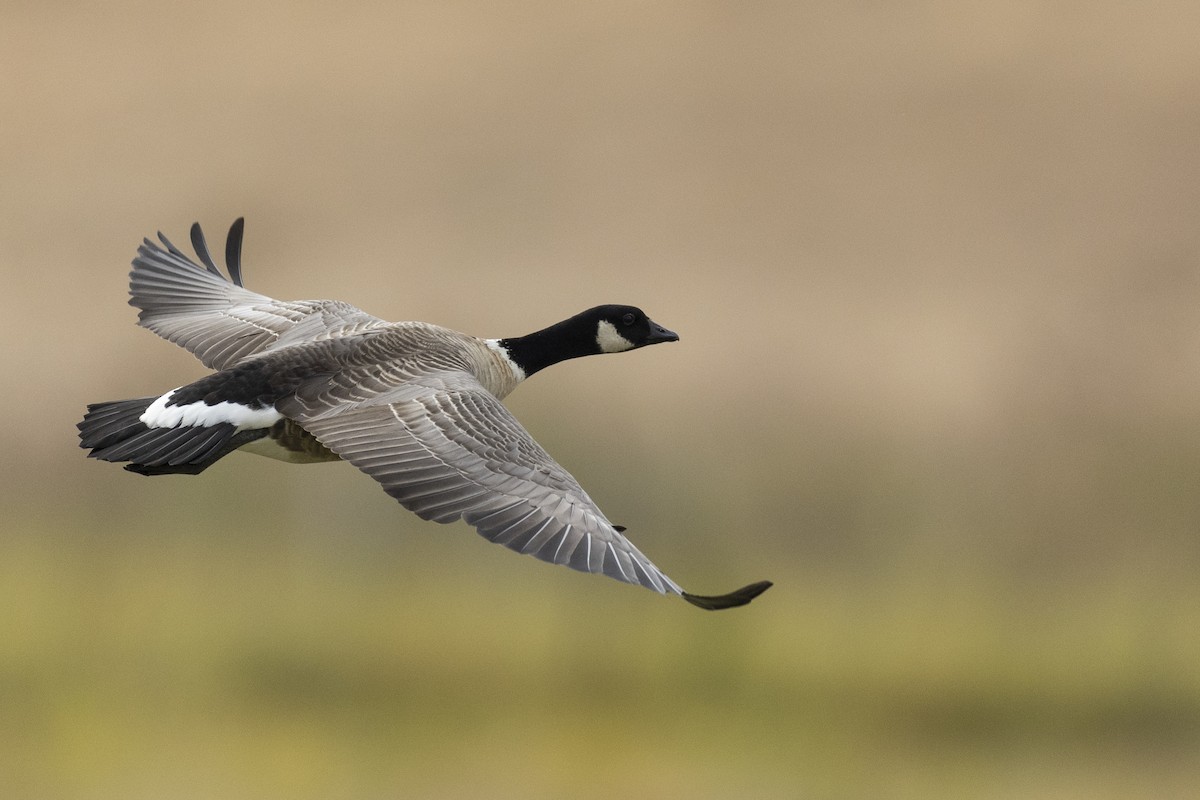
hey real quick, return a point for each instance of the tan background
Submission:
(935, 268)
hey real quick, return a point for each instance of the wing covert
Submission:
(217, 319)
(459, 453)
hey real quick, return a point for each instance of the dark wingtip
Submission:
(170, 246)
(732, 600)
(201, 248)
(233, 251)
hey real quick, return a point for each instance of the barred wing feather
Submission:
(459, 453)
(218, 320)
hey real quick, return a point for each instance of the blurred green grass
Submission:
(184, 658)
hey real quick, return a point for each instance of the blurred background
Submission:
(936, 269)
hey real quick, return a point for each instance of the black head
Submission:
(603, 329)
(620, 328)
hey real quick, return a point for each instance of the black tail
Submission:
(114, 431)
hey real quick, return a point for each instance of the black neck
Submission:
(570, 338)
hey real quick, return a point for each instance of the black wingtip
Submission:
(201, 248)
(233, 251)
(732, 600)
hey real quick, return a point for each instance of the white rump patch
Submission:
(200, 414)
(609, 340)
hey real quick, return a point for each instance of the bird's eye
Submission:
(628, 319)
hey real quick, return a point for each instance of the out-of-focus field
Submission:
(936, 270)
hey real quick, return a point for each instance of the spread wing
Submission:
(218, 320)
(446, 448)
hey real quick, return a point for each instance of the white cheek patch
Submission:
(609, 340)
(199, 414)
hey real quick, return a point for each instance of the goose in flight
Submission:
(415, 406)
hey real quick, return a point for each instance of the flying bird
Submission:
(413, 405)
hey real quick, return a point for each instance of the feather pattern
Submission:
(218, 320)
(446, 448)
(114, 432)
